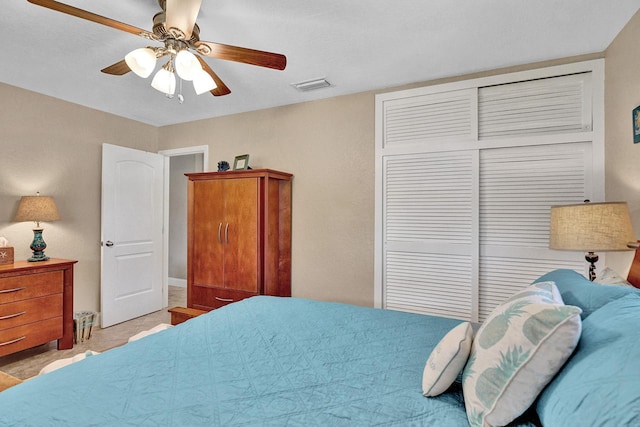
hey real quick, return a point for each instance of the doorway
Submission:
(177, 163)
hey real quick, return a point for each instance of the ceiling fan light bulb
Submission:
(203, 82)
(164, 81)
(187, 65)
(141, 61)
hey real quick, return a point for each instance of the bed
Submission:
(272, 361)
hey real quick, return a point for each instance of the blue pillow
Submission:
(600, 384)
(579, 291)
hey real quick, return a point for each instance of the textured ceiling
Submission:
(356, 45)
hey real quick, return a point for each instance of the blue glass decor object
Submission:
(38, 246)
(223, 166)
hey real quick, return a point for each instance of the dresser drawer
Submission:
(209, 298)
(22, 312)
(16, 288)
(30, 335)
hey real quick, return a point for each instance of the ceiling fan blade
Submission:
(118, 69)
(221, 88)
(242, 54)
(80, 13)
(182, 14)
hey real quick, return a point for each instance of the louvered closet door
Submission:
(551, 106)
(429, 232)
(466, 174)
(435, 117)
(518, 185)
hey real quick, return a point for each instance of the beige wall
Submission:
(328, 145)
(54, 147)
(622, 156)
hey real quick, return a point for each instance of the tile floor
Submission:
(28, 363)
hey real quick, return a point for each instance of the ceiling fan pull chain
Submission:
(180, 97)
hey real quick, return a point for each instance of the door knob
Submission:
(109, 243)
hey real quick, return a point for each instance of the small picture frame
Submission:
(636, 124)
(241, 163)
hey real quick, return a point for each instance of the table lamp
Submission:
(591, 227)
(37, 208)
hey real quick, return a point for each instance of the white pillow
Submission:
(158, 328)
(447, 360)
(61, 363)
(609, 277)
(516, 352)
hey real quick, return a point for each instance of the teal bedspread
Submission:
(264, 361)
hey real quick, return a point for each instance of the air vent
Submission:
(310, 85)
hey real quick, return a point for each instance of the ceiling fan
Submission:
(176, 29)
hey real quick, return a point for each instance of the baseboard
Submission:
(180, 283)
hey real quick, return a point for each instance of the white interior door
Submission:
(132, 218)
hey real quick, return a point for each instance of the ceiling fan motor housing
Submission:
(162, 33)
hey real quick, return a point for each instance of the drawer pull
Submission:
(11, 316)
(224, 299)
(6, 291)
(12, 341)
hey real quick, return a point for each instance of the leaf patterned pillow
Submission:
(447, 360)
(516, 352)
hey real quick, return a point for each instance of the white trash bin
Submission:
(83, 322)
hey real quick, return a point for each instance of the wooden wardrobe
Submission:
(239, 236)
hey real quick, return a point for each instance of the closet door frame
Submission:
(468, 139)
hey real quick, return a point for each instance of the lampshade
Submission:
(187, 65)
(37, 208)
(141, 61)
(203, 82)
(595, 227)
(164, 81)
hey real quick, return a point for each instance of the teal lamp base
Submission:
(38, 246)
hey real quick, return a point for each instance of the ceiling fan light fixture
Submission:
(141, 61)
(164, 80)
(203, 82)
(187, 65)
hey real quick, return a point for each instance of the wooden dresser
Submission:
(36, 304)
(239, 236)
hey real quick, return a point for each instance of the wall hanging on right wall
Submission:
(636, 124)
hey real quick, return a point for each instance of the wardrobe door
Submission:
(208, 233)
(241, 235)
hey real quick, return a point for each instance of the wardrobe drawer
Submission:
(30, 335)
(209, 298)
(22, 312)
(17, 288)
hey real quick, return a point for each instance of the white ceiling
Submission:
(356, 45)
